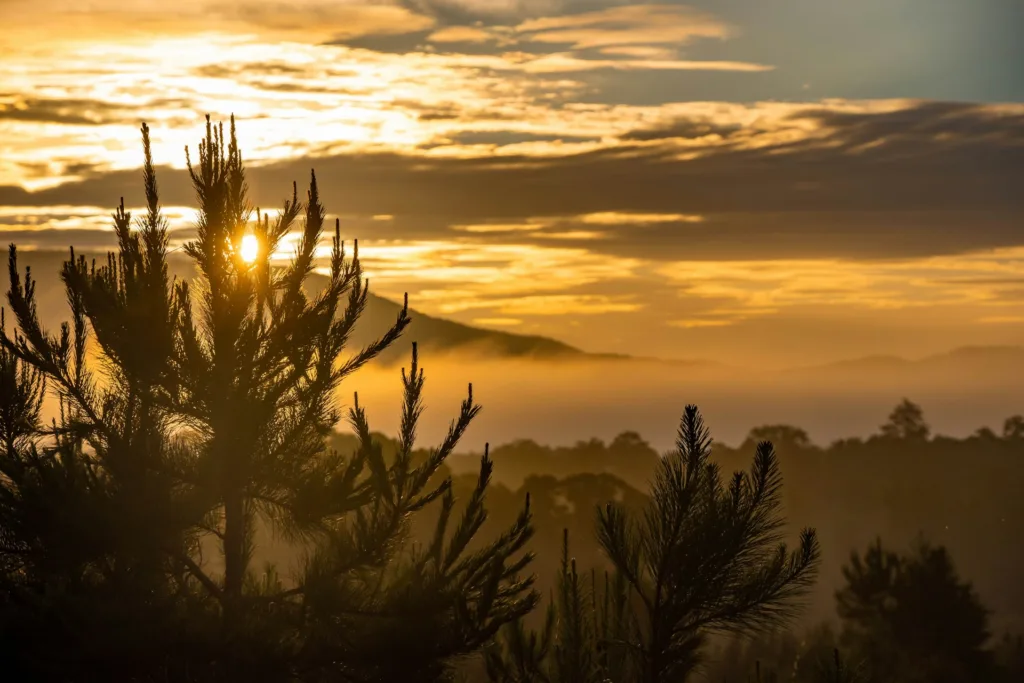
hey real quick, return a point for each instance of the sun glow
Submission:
(249, 249)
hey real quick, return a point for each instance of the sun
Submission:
(249, 249)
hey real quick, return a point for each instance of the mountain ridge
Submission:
(431, 333)
(994, 358)
(442, 336)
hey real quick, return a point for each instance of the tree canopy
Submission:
(192, 414)
(906, 421)
(913, 618)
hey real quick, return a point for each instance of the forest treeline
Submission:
(900, 483)
(903, 485)
(194, 512)
(632, 459)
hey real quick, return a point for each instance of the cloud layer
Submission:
(550, 167)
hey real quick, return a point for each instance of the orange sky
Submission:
(658, 179)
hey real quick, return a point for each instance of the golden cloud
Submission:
(566, 63)
(625, 25)
(549, 305)
(640, 51)
(697, 322)
(573, 235)
(464, 34)
(498, 322)
(45, 22)
(626, 218)
(500, 227)
(744, 289)
(648, 36)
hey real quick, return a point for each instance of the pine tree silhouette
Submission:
(192, 412)
(583, 637)
(703, 557)
(910, 617)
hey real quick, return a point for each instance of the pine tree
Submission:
(911, 618)
(193, 413)
(522, 655)
(703, 557)
(582, 639)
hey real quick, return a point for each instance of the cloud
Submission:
(72, 111)
(619, 218)
(691, 323)
(72, 100)
(785, 183)
(497, 322)
(640, 51)
(338, 19)
(740, 290)
(500, 227)
(464, 34)
(624, 37)
(625, 25)
(942, 122)
(690, 129)
(548, 304)
(575, 235)
(568, 63)
(607, 218)
(304, 20)
(503, 9)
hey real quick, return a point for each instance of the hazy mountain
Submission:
(441, 336)
(997, 363)
(444, 336)
(433, 334)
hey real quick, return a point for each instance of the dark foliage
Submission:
(192, 414)
(703, 557)
(912, 617)
(906, 422)
(627, 457)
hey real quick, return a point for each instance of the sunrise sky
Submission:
(770, 181)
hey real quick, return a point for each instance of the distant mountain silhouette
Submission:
(432, 334)
(440, 335)
(975, 361)
(869, 363)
